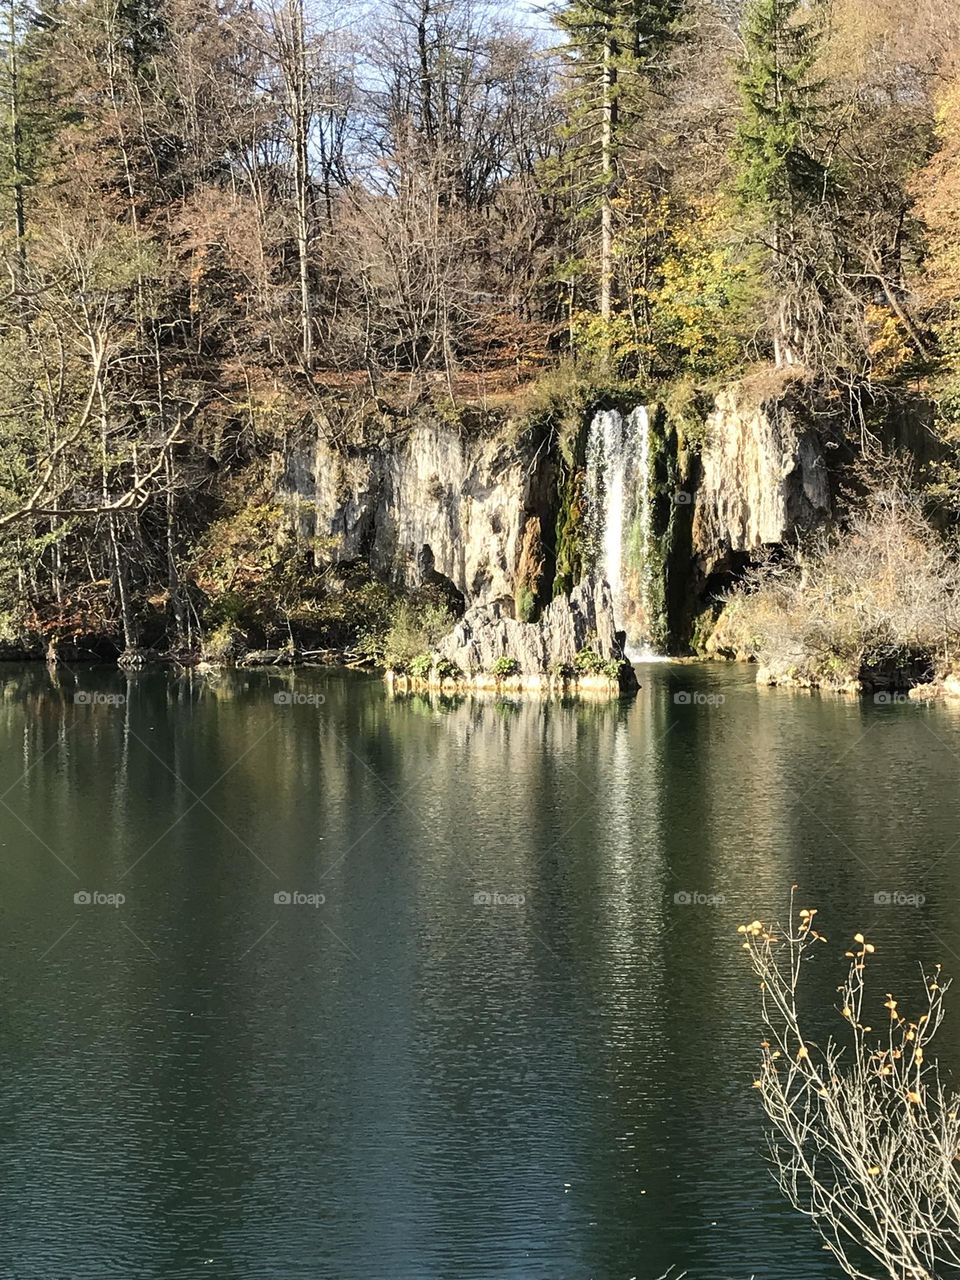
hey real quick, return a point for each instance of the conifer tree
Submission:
(27, 120)
(782, 181)
(614, 48)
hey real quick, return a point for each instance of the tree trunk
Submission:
(607, 167)
(299, 95)
(119, 567)
(16, 139)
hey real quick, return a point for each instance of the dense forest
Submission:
(224, 223)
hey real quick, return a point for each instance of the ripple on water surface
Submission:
(504, 1030)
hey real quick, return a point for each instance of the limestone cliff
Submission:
(668, 511)
(431, 499)
(763, 477)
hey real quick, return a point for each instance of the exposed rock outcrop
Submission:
(491, 514)
(763, 477)
(490, 649)
(583, 619)
(432, 501)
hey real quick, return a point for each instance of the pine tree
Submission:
(782, 181)
(614, 48)
(28, 118)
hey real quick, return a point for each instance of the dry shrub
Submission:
(864, 1134)
(879, 603)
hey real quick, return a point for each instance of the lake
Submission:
(300, 981)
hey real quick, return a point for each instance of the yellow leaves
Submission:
(874, 1170)
(889, 343)
(937, 190)
(803, 1052)
(806, 920)
(913, 1097)
(858, 937)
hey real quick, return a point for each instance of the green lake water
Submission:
(385, 1077)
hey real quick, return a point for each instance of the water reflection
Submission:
(403, 1081)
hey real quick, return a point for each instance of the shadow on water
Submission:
(428, 987)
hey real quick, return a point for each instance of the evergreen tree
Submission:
(615, 49)
(28, 119)
(782, 181)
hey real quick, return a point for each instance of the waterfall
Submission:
(618, 516)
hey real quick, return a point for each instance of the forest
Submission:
(227, 224)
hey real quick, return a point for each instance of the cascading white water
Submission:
(618, 501)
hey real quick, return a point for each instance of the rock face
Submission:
(763, 478)
(433, 499)
(583, 619)
(494, 517)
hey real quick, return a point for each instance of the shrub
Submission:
(415, 630)
(447, 670)
(525, 604)
(421, 665)
(864, 1131)
(884, 597)
(223, 643)
(505, 667)
(588, 662)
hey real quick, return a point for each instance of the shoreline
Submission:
(946, 688)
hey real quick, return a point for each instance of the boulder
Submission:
(581, 620)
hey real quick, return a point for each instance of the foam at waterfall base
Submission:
(643, 653)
